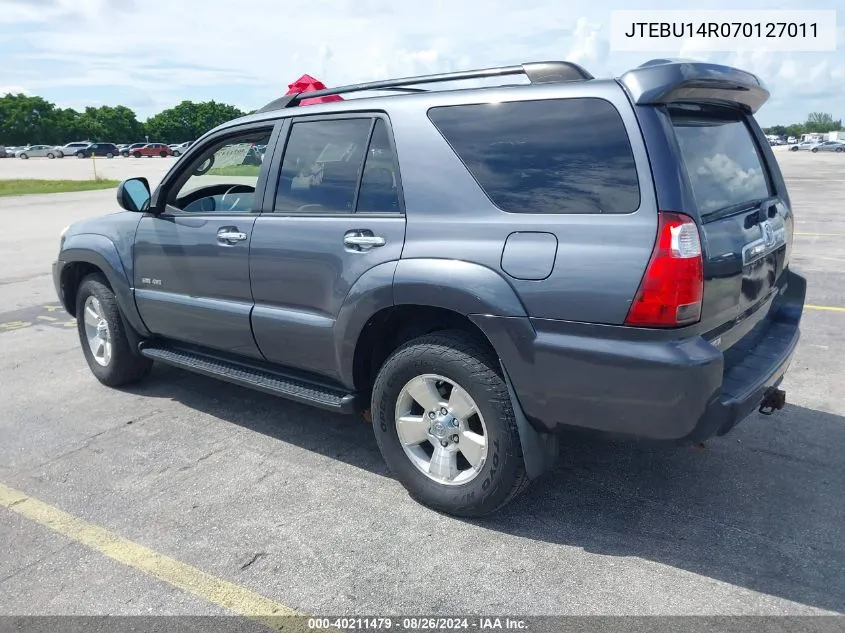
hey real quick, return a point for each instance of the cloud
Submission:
(166, 50)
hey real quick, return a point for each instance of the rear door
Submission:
(337, 213)
(743, 210)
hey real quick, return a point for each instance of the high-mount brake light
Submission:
(672, 287)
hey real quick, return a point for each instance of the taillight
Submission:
(673, 285)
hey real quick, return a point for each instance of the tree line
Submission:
(28, 119)
(817, 122)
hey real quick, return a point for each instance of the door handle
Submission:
(229, 235)
(363, 240)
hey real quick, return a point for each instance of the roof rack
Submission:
(536, 72)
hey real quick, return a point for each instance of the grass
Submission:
(25, 186)
(234, 170)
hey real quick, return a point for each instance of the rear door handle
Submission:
(363, 240)
(230, 235)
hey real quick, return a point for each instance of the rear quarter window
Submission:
(546, 156)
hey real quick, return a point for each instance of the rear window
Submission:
(722, 160)
(547, 156)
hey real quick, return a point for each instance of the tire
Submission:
(124, 154)
(839, 149)
(814, 150)
(452, 355)
(176, 153)
(24, 157)
(163, 154)
(80, 154)
(122, 366)
(51, 155)
(793, 149)
(137, 154)
(109, 155)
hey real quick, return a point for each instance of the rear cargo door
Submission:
(745, 221)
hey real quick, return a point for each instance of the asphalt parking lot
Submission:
(256, 498)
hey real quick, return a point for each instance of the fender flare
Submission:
(462, 287)
(100, 251)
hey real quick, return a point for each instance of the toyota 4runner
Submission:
(473, 270)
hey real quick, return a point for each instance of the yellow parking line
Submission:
(828, 308)
(185, 577)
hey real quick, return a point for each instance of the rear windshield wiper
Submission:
(740, 207)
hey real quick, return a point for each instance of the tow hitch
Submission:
(773, 400)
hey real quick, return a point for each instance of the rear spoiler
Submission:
(665, 81)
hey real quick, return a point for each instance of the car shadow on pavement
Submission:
(762, 508)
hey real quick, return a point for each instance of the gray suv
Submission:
(472, 270)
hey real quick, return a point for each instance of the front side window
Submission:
(546, 156)
(322, 166)
(722, 161)
(223, 177)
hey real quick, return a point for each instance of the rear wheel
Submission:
(445, 425)
(163, 154)
(80, 154)
(24, 156)
(814, 150)
(51, 155)
(109, 155)
(103, 335)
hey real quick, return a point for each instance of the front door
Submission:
(192, 259)
(337, 215)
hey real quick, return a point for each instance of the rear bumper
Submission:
(621, 381)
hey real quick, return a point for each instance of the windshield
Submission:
(724, 166)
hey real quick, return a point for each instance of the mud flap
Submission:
(539, 450)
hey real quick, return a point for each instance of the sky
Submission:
(152, 54)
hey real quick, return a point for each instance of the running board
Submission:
(277, 384)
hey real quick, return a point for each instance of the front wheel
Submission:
(109, 155)
(103, 335)
(163, 154)
(51, 155)
(814, 150)
(444, 423)
(137, 154)
(24, 156)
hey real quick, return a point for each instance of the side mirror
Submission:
(134, 194)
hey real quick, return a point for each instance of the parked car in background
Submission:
(109, 150)
(4, 153)
(804, 146)
(37, 151)
(70, 149)
(126, 150)
(181, 148)
(152, 149)
(830, 146)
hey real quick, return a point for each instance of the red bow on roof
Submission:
(307, 83)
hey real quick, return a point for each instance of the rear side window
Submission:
(548, 156)
(722, 160)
